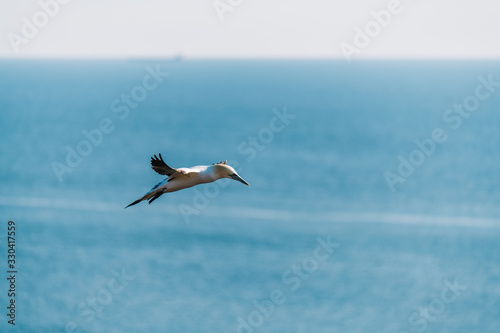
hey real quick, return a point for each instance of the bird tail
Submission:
(135, 202)
(152, 195)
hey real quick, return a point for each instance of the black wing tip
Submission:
(159, 165)
(133, 203)
(157, 195)
(157, 158)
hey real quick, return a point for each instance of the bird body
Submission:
(181, 178)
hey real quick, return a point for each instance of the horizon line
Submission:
(181, 58)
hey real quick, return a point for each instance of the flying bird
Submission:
(181, 178)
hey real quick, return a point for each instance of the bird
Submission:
(181, 178)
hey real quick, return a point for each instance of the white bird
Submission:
(178, 179)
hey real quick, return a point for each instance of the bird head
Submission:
(222, 170)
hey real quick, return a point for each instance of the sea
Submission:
(373, 204)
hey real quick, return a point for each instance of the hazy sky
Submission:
(251, 28)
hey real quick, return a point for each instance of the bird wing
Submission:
(194, 169)
(159, 165)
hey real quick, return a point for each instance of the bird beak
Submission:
(238, 178)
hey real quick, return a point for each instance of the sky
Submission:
(359, 29)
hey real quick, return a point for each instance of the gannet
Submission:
(181, 178)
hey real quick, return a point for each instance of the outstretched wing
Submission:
(159, 165)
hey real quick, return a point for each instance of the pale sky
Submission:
(251, 28)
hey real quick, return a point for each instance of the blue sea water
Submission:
(317, 141)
